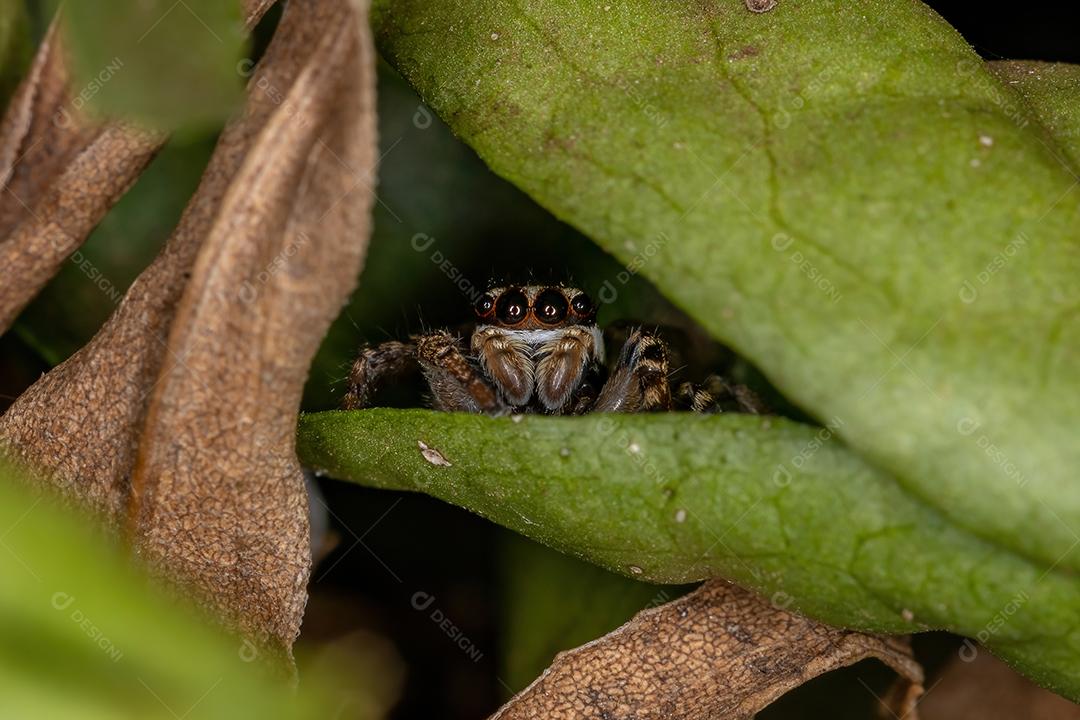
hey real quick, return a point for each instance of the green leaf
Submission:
(82, 635)
(15, 47)
(168, 64)
(774, 505)
(1052, 92)
(837, 190)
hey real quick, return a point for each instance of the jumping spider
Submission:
(537, 349)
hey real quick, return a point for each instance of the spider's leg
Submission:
(639, 382)
(456, 384)
(375, 366)
(716, 394)
(562, 364)
(506, 359)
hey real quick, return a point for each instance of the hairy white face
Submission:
(538, 342)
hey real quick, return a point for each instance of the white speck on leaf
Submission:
(432, 455)
(907, 615)
(633, 448)
(564, 452)
(680, 515)
(636, 570)
(986, 140)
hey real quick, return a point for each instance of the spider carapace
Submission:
(537, 349)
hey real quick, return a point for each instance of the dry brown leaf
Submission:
(978, 686)
(218, 503)
(79, 426)
(280, 235)
(254, 10)
(61, 174)
(719, 652)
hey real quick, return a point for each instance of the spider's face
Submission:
(537, 341)
(535, 307)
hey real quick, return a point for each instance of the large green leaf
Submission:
(776, 505)
(1052, 92)
(839, 190)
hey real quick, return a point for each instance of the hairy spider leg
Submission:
(375, 366)
(639, 382)
(456, 384)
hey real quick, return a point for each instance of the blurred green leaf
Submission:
(81, 635)
(15, 46)
(772, 504)
(167, 64)
(838, 191)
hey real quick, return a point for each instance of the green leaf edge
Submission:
(772, 504)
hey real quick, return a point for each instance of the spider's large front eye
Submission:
(484, 305)
(550, 306)
(512, 307)
(582, 305)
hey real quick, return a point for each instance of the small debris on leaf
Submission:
(432, 455)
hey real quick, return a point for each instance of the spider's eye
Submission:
(550, 306)
(483, 305)
(512, 307)
(582, 304)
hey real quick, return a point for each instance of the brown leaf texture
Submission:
(719, 652)
(218, 502)
(272, 242)
(61, 174)
(79, 425)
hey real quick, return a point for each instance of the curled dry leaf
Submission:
(272, 241)
(719, 652)
(61, 174)
(218, 499)
(79, 425)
